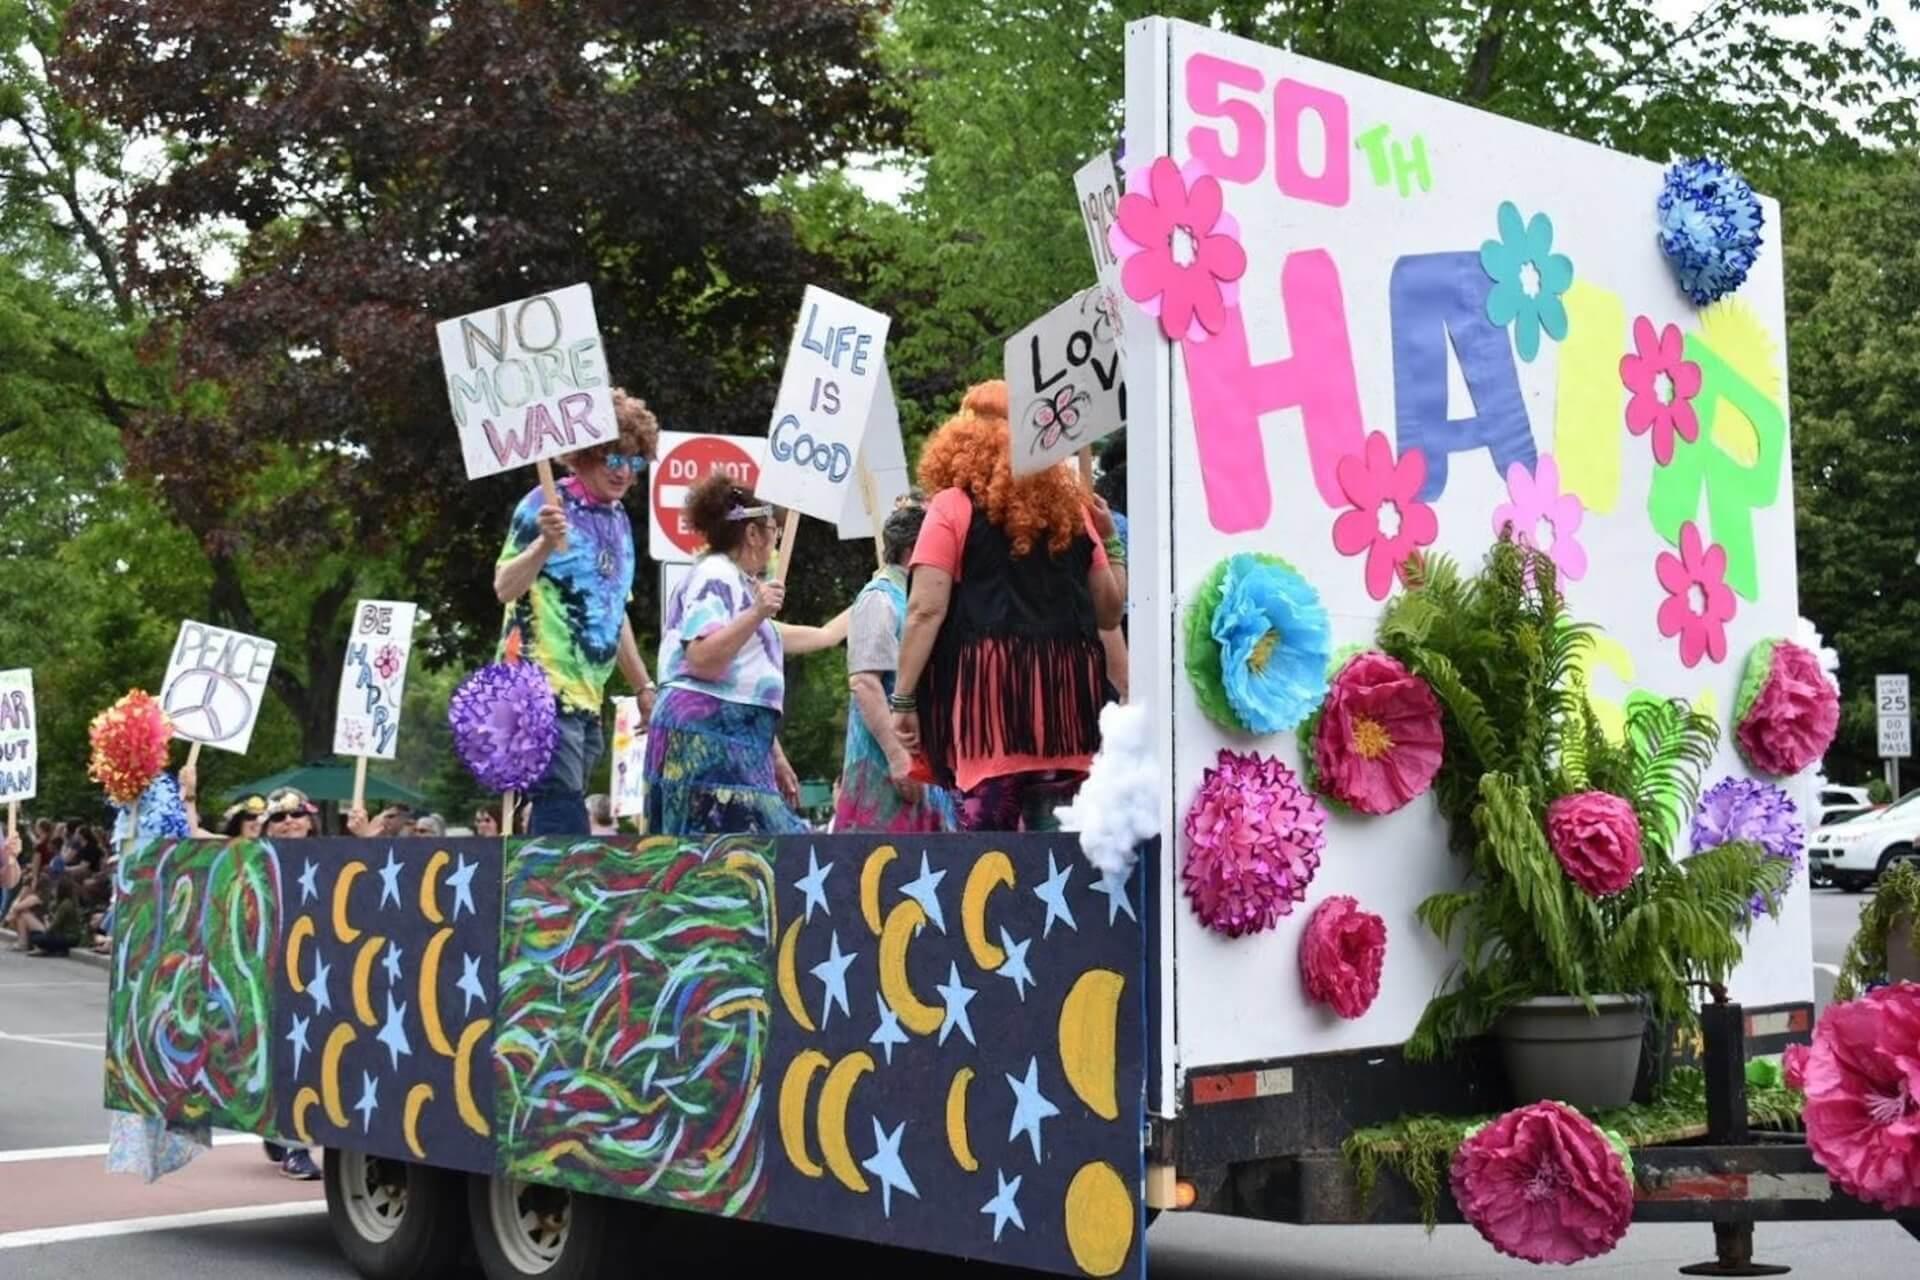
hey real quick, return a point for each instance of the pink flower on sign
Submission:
(1387, 521)
(1543, 1184)
(1862, 1081)
(1699, 603)
(1664, 383)
(1179, 249)
(387, 662)
(1543, 517)
(1341, 956)
(1596, 838)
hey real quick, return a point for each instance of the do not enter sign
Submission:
(684, 461)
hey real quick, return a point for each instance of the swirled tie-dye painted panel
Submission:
(633, 1018)
(197, 938)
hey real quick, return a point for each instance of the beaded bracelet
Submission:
(903, 702)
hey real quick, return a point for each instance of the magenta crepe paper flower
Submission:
(1341, 956)
(505, 723)
(1538, 510)
(1254, 841)
(1387, 520)
(1379, 742)
(1699, 603)
(1791, 722)
(1664, 408)
(1862, 1081)
(1793, 1065)
(1543, 1184)
(1179, 249)
(1596, 837)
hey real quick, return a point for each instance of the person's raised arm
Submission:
(796, 639)
(511, 578)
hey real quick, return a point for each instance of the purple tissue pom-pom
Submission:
(505, 723)
(1743, 809)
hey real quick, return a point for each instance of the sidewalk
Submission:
(93, 958)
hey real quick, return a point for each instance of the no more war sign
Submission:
(835, 366)
(527, 381)
(686, 460)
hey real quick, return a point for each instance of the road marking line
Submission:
(170, 1222)
(58, 1044)
(1831, 970)
(34, 986)
(100, 1149)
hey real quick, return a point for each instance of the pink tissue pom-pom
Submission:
(1379, 742)
(1254, 841)
(1596, 837)
(1341, 956)
(1862, 1081)
(1792, 722)
(1543, 1184)
(1793, 1065)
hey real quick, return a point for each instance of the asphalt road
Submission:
(62, 1214)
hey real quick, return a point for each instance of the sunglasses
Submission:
(622, 461)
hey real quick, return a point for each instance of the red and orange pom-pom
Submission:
(129, 746)
(513, 646)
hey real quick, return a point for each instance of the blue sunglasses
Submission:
(623, 461)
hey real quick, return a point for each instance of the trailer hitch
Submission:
(1723, 1032)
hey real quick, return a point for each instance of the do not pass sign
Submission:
(684, 461)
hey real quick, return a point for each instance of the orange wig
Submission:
(971, 453)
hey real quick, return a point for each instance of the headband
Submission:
(748, 513)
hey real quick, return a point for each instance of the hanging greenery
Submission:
(1503, 655)
(1897, 895)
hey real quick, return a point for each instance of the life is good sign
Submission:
(373, 679)
(828, 392)
(527, 381)
(215, 681)
(1064, 387)
(19, 736)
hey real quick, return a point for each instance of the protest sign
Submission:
(215, 681)
(527, 381)
(1098, 186)
(628, 789)
(1064, 389)
(880, 474)
(373, 678)
(684, 461)
(19, 738)
(835, 368)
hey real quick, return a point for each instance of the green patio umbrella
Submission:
(329, 782)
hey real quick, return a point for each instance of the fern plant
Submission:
(1895, 903)
(1504, 659)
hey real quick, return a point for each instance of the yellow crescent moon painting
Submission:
(430, 994)
(957, 1140)
(417, 1098)
(304, 1101)
(789, 978)
(903, 922)
(834, 1097)
(1100, 1219)
(430, 887)
(342, 887)
(341, 1036)
(301, 930)
(463, 1099)
(363, 980)
(793, 1109)
(1089, 1040)
(870, 872)
(993, 871)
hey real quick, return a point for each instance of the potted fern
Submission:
(1579, 917)
(1886, 945)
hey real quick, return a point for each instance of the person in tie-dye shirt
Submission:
(569, 606)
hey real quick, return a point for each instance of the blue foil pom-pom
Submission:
(1710, 224)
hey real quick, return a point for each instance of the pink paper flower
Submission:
(1793, 1065)
(1179, 249)
(1341, 956)
(1596, 837)
(1788, 710)
(1862, 1081)
(1543, 517)
(1388, 521)
(1699, 604)
(1543, 1184)
(1254, 841)
(1664, 383)
(1379, 742)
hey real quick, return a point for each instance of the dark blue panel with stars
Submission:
(382, 1022)
(958, 1049)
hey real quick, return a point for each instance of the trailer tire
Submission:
(394, 1220)
(521, 1230)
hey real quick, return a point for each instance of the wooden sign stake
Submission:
(549, 489)
(193, 756)
(786, 543)
(868, 497)
(360, 782)
(506, 816)
(13, 817)
(133, 824)
(1086, 467)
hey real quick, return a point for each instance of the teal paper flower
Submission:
(1274, 641)
(1528, 279)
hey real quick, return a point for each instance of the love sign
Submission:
(1064, 387)
(373, 679)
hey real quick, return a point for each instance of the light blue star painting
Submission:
(297, 1037)
(885, 1165)
(390, 962)
(308, 889)
(394, 1033)
(925, 890)
(317, 987)
(1114, 889)
(1054, 894)
(814, 885)
(832, 973)
(1014, 967)
(1030, 1107)
(369, 1100)
(889, 1033)
(1003, 1208)
(461, 882)
(390, 880)
(469, 984)
(957, 996)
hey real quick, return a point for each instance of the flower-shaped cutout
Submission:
(1528, 279)
(1699, 603)
(1179, 249)
(1379, 741)
(1056, 416)
(1544, 1184)
(1543, 517)
(1862, 1081)
(1254, 841)
(1663, 382)
(1341, 956)
(1274, 641)
(1387, 520)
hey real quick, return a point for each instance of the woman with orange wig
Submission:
(1001, 673)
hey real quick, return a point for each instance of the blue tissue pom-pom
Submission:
(1709, 227)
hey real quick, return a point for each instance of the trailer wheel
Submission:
(521, 1229)
(394, 1220)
